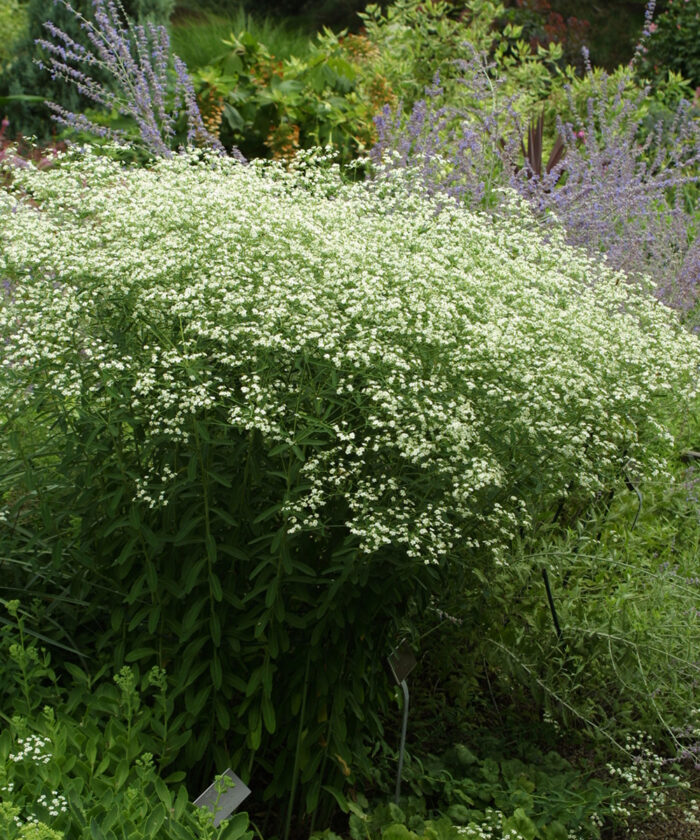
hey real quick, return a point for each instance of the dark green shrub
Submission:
(673, 42)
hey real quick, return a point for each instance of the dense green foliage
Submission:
(674, 42)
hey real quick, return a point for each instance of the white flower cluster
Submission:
(493, 828)
(646, 783)
(32, 748)
(56, 803)
(448, 369)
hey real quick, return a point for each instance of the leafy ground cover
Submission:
(263, 421)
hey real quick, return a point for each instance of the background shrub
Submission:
(13, 19)
(672, 43)
(272, 105)
(418, 40)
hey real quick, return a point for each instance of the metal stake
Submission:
(402, 745)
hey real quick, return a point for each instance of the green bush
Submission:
(13, 20)
(268, 411)
(416, 40)
(674, 42)
(272, 106)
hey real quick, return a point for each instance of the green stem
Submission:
(297, 752)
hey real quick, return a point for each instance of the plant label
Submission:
(223, 796)
(402, 662)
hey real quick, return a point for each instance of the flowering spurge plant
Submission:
(150, 87)
(270, 409)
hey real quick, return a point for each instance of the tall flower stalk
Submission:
(151, 88)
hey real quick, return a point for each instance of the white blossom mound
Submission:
(441, 379)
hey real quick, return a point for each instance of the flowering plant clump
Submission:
(436, 334)
(265, 405)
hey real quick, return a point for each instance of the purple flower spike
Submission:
(138, 58)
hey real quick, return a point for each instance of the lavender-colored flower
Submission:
(451, 150)
(138, 58)
(615, 191)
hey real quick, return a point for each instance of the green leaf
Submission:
(396, 831)
(339, 797)
(116, 618)
(268, 713)
(96, 832)
(223, 715)
(179, 832)
(211, 548)
(216, 588)
(234, 118)
(192, 575)
(216, 671)
(163, 793)
(77, 673)
(520, 823)
(140, 653)
(181, 801)
(103, 765)
(254, 728)
(228, 519)
(236, 827)
(121, 774)
(189, 620)
(194, 703)
(21, 97)
(215, 628)
(154, 821)
(253, 682)
(153, 619)
(187, 526)
(554, 831)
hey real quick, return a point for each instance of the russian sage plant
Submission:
(138, 59)
(629, 197)
(615, 192)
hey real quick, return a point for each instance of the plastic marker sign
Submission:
(402, 662)
(224, 796)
